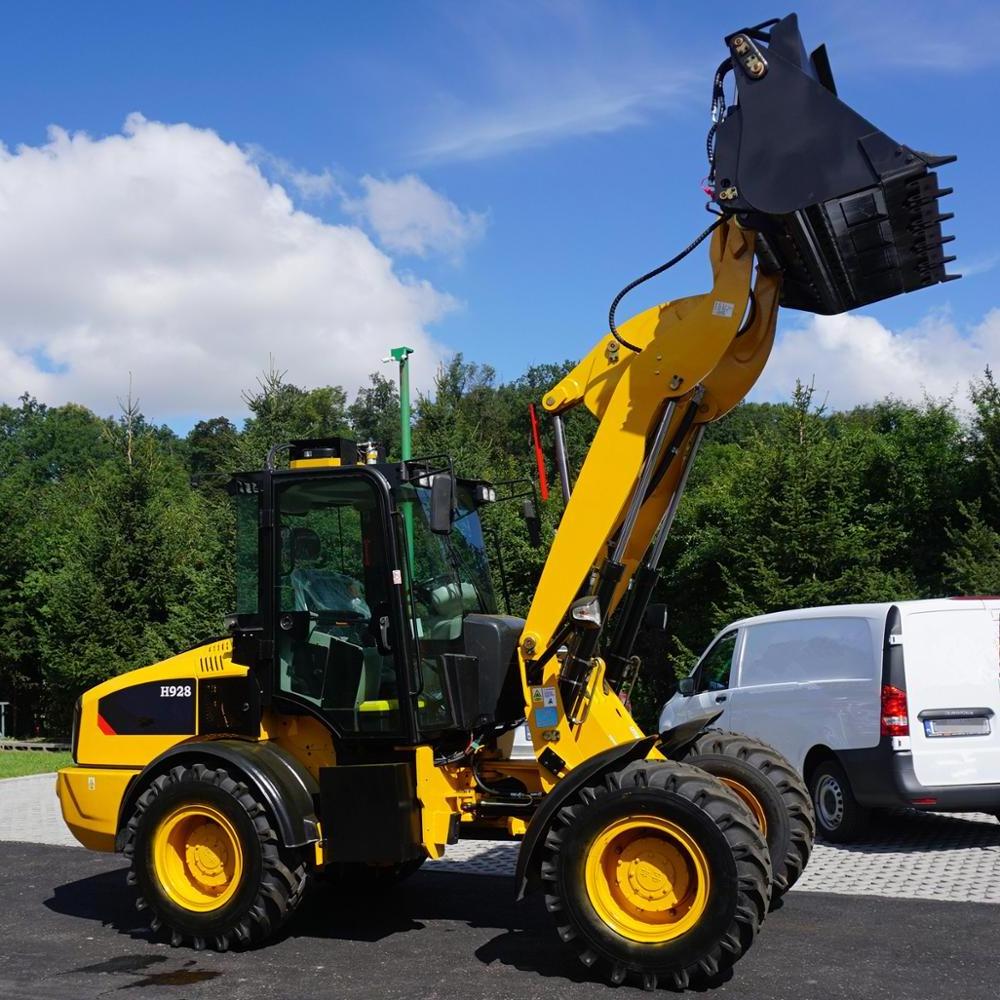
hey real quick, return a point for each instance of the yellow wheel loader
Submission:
(357, 718)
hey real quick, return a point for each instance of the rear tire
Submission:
(207, 864)
(773, 791)
(659, 873)
(839, 817)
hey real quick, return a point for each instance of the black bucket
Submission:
(849, 215)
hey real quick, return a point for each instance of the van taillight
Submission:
(895, 719)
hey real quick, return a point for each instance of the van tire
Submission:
(840, 818)
(776, 785)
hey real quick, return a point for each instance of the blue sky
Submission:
(488, 174)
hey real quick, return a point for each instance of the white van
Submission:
(876, 704)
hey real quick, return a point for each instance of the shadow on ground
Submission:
(526, 940)
(909, 831)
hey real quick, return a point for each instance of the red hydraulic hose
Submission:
(543, 479)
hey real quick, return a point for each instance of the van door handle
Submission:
(720, 698)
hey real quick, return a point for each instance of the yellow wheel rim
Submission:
(647, 878)
(750, 801)
(197, 857)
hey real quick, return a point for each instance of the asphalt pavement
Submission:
(68, 929)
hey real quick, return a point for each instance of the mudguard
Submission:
(673, 742)
(527, 874)
(284, 786)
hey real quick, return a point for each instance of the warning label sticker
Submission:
(723, 309)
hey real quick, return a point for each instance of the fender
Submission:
(675, 742)
(285, 787)
(527, 874)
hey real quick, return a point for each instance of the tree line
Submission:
(119, 534)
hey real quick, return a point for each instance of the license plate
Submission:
(957, 727)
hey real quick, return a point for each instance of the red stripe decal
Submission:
(105, 726)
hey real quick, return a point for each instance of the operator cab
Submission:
(364, 597)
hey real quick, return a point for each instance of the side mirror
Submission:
(442, 503)
(656, 617)
(685, 686)
(532, 523)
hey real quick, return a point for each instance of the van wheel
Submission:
(839, 817)
(771, 789)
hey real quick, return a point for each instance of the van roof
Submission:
(873, 611)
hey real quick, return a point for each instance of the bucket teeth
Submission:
(937, 161)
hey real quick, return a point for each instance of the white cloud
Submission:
(407, 216)
(309, 186)
(552, 70)
(908, 35)
(164, 251)
(855, 359)
(542, 119)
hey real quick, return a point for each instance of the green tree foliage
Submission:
(136, 570)
(119, 537)
(973, 562)
(281, 412)
(374, 414)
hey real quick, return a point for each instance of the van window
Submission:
(713, 672)
(807, 649)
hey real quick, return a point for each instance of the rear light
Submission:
(895, 718)
(923, 802)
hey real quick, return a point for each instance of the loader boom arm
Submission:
(697, 359)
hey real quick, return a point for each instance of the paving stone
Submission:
(29, 811)
(908, 855)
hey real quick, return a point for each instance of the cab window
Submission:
(332, 603)
(715, 667)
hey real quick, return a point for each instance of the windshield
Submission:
(450, 579)
(451, 575)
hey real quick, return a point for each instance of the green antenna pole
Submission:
(402, 356)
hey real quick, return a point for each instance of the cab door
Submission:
(339, 631)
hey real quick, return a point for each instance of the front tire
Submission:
(773, 791)
(658, 872)
(839, 816)
(207, 864)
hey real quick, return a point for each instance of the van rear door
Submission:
(951, 654)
